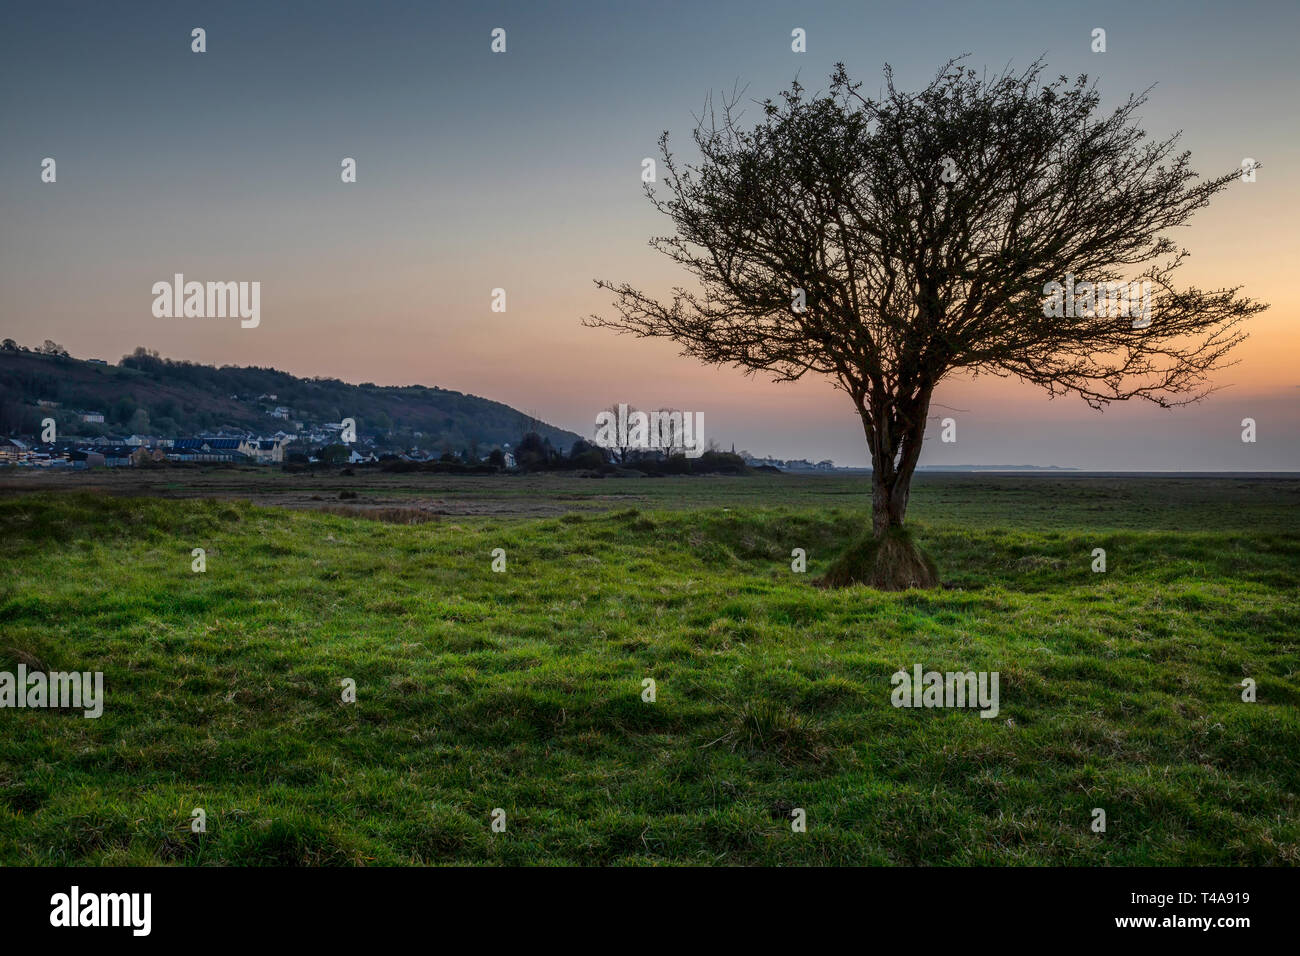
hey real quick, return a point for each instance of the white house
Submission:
(265, 451)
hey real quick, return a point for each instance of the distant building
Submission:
(94, 418)
(11, 450)
(266, 451)
(119, 456)
(210, 450)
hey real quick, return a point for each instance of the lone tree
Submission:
(980, 225)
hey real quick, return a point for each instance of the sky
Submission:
(522, 171)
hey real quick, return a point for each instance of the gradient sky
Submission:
(522, 171)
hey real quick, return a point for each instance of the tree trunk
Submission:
(889, 560)
(889, 501)
(895, 443)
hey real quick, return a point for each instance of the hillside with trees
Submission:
(145, 393)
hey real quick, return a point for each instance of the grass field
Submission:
(522, 690)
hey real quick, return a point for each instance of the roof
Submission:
(213, 443)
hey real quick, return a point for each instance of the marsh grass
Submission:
(522, 690)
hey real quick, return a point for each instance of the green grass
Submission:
(522, 690)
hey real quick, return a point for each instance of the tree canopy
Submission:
(987, 224)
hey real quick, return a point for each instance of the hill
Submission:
(147, 394)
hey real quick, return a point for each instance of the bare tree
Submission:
(889, 243)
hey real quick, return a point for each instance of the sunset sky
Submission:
(522, 171)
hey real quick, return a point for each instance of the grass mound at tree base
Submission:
(891, 563)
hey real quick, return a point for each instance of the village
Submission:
(81, 438)
(329, 443)
(234, 448)
(228, 446)
(112, 452)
